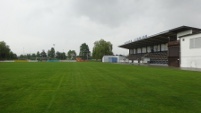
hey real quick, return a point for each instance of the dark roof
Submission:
(160, 38)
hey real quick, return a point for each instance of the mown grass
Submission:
(91, 87)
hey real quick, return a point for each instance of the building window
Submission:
(195, 43)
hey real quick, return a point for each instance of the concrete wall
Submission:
(190, 57)
(105, 59)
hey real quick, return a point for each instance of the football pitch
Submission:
(92, 87)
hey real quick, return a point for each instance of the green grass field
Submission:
(97, 88)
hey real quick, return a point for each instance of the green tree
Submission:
(71, 54)
(12, 55)
(51, 53)
(38, 54)
(60, 56)
(84, 51)
(33, 56)
(29, 56)
(43, 54)
(63, 56)
(101, 48)
(22, 57)
(5, 52)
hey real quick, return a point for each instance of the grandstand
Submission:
(161, 48)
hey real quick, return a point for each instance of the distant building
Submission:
(179, 47)
(114, 59)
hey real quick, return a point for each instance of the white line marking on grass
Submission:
(54, 95)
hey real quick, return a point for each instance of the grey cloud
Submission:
(114, 13)
(69, 23)
(109, 12)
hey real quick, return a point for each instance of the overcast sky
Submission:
(28, 26)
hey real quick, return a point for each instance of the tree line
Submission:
(100, 49)
(50, 55)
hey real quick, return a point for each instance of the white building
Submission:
(114, 59)
(190, 51)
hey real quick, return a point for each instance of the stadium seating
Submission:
(155, 57)
(158, 57)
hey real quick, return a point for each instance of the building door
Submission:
(174, 54)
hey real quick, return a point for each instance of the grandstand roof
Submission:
(160, 38)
